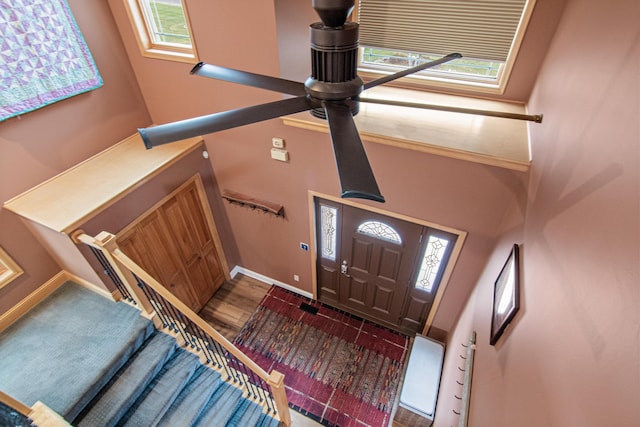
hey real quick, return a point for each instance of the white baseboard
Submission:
(241, 270)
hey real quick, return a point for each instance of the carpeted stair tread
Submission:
(71, 332)
(221, 407)
(162, 391)
(129, 383)
(247, 413)
(192, 399)
(267, 421)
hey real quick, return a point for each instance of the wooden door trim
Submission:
(202, 195)
(444, 282)
(217, 242)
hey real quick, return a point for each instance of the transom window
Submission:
(162, 28)
(380, 230)
(399, 34)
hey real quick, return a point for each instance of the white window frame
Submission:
(421, 81)
(151, 49)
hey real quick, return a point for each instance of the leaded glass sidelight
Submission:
(380, 230)
(329, 218)
(432, 262)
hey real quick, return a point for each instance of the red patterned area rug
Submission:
(339, 369)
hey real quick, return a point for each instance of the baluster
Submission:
(169, 313)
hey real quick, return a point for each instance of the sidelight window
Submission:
(434, 260)
(328, 227)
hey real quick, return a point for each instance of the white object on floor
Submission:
(422, 378)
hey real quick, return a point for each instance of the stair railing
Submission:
(38, 415)
(15, 404)
(169, 313)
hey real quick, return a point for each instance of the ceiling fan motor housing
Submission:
(334, 56)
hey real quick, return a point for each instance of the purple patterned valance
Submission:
(43, 56)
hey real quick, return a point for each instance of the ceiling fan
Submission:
(331, 92)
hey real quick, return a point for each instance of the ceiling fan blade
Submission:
(175, 131)
(408, 71)
(249, 79)
(530, 117)
(356, 177)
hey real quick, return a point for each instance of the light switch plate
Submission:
(277, 142)
(279, 154)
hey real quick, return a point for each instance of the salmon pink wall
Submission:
(43, 143)
(572, 355)
(454, 193)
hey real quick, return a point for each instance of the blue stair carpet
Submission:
(221, 407)
(192, 399)
(65, 349)
(164, 389)
(98, 363)
(127, 386)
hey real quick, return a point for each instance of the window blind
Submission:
(475, 28)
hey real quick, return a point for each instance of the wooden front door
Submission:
(378, 267)
(378, 254)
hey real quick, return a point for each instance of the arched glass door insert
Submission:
(380, 230)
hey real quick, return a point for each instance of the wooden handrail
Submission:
(43, 416)
(126, 269)
(106, 244)
(190, 314)
(40, 414)
(14, 403)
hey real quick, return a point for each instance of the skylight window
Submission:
(400, 34)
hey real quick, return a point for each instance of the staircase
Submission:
(99, 363)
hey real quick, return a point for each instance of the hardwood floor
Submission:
(229, 309)
(232, 305)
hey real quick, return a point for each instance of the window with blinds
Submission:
(396, 34)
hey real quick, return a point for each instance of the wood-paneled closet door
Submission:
(174, 243)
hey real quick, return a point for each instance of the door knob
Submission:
(344, 268)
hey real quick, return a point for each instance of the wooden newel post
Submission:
(276, 382)
(106, 243)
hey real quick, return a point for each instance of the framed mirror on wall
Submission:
(9, 269)
(506, 295)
